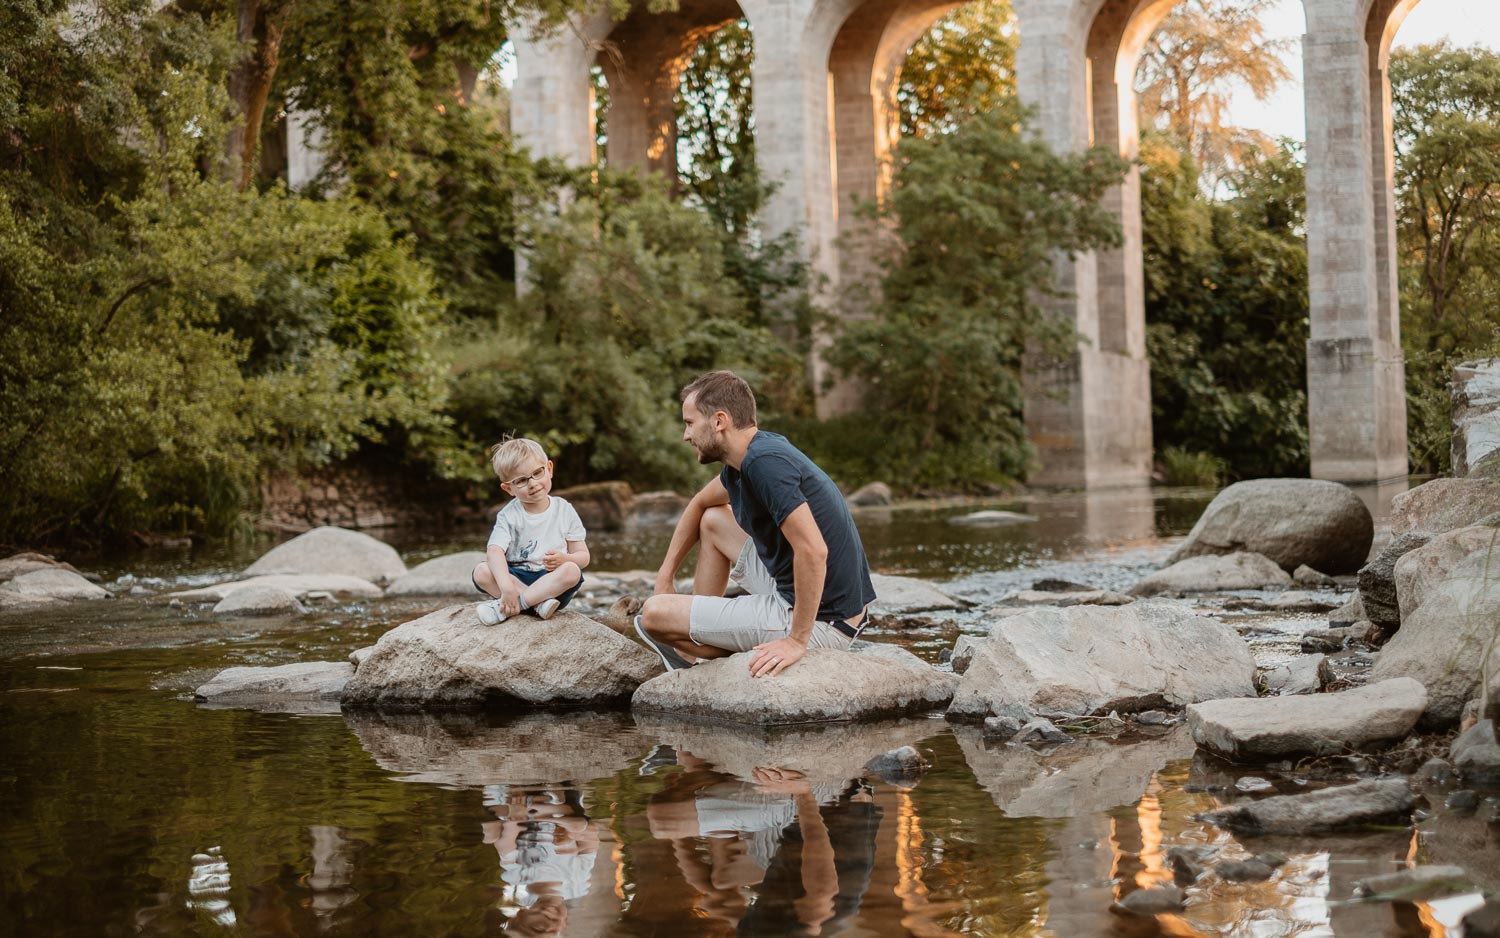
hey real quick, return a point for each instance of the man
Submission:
(772, 521)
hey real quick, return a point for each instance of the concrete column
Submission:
(552, 109)
(1355, 370)
(304, 149)
(1089, 413)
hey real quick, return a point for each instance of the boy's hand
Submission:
(553, 559)
(510, 602)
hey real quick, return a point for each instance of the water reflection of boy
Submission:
(547, 845)
(748, 827)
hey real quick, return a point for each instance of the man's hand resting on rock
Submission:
(771, 658)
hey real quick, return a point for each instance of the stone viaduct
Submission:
(825, 75)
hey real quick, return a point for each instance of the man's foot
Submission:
(490, 614)
(669, 656)
(546, 608)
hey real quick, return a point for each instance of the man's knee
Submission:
(660, 615)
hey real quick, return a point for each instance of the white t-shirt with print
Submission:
(525, 537)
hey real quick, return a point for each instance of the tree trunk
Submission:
(261, 22)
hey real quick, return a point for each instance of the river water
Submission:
(126, 809)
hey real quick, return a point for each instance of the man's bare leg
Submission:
(667, 616)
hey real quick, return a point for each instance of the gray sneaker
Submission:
(670, 659)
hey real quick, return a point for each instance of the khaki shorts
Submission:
(740, 623)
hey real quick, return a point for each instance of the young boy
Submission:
(536, 554)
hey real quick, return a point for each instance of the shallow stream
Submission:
(126, 809)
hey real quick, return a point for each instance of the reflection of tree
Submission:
(776, 854)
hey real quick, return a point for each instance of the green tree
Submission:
(1446, 128)
(964, 64)
(979, 213)
(1226, 312)
(1198, 57)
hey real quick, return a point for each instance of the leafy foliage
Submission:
(964, 64)
(1198, 57)
(627, 303)
(1446, 118)
(1226, 312)
(978, 213)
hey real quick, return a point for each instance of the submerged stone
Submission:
(307, 686)
(1373, 801)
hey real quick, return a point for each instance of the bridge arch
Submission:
(822, 75)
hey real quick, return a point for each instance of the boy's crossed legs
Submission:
(545, 592)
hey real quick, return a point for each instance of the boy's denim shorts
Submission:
(531, 576)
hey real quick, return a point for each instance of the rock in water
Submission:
(332, 550)
(307, 685)
(827, 685)
(1094, 659)
(259, 601)
(903, 767)
(992, 518)
(49, 585)
(1476, 754)
(452, 575)
(302, 586)
(904, 595)
(449, 660)
(875, 493)
(1292, 521)
(1476, 413)
(1158, 900)
(1444, 643)
(1214, 574)
(1417, 885)
(1377, 581)
(1308, 578)
(1270, 728)
(1306, 674)
(1422, 569)
(1373, 801)
(1442, 505)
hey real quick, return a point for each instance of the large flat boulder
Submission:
(449, 660)
(471, 749)
(1292, 521)
(348, 587)
(27, 561)
(826, 686)
(47, 585)
(1476, 413)
(307, 686)
(1373, 801)
(1083, 778)
(1441, 505)
(452, 575)
(1446, 641)
(332, 550)
(1262, 729)
(1215, 573)
(1094, 659)
(1377, 580)
(904, 595)
(1417, 572)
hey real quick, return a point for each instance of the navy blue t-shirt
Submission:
(775, 479)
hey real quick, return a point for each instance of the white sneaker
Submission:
(490, 614)
(546, 608)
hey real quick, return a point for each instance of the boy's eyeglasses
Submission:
(536, 478)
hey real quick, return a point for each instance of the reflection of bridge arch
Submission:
(824, 76)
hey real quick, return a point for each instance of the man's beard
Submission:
(710, 452)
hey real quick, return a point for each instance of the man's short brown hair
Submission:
(726, 391)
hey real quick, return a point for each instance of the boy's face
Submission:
(531, 483)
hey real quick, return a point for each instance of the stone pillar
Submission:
(552, 109)
(1356, 396)
(1088, 414)
(304, 149)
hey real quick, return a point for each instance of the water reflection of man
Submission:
(547, 845)
(783, 855)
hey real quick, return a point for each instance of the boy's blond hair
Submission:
(507, 456)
